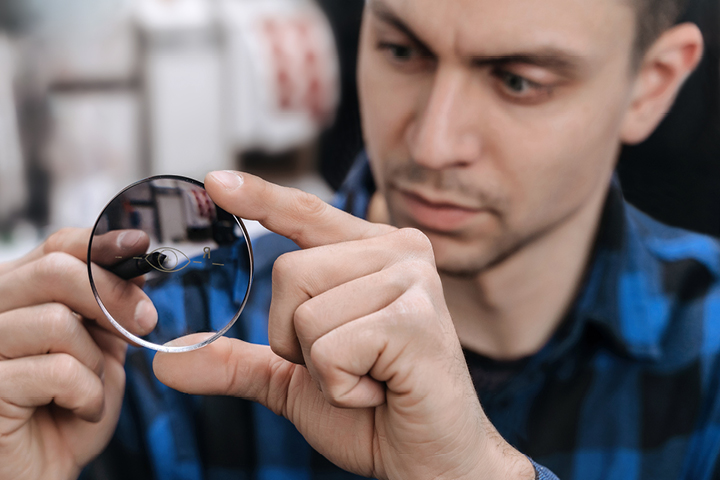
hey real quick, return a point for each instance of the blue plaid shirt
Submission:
(628, 387)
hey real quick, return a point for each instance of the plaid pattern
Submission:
(628, 388)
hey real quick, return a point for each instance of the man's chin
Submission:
(460, 262)
(460, 259)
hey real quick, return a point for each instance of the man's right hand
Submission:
(61, 363)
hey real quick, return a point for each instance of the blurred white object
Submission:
(174, 15)
(106, 55)
(228, 76)
(184, 87)
(93, 152)
(67, 16)
(283, 72)
(13, 190)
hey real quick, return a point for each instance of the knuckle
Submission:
(305, 318)
(420, 272)
(59, 240)
(66, 369)
(419, 269)
(307, 204)
(415, 304)
(290, 273)
(55, 264)
(304, 208)
(59, 320)
(323, 357)
(414, 239)
(323, 360)
(283, 266)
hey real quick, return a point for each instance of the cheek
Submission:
(556, 165)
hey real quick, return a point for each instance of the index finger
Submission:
(74, 241)
(292, 213)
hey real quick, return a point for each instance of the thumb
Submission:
(228, 367)
(253, 372)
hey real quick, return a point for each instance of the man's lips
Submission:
(437, 215)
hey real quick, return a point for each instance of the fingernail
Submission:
(230, 180)
(129, 238)
(146, 316)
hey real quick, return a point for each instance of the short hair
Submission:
(653, 18)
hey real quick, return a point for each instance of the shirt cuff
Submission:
(542, 473)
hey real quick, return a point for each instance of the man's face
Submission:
(490, 124)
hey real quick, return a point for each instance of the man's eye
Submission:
(516, 83)
(401, 53)
(522, 88)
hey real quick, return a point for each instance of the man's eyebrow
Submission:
(550, 57)
(383, 12)
(558, 60)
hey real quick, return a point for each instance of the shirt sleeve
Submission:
(542, 473)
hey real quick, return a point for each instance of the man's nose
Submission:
(444, 133)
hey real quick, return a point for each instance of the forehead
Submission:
(589, 28)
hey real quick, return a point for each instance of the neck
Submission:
(511, 310)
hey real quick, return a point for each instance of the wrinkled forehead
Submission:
(588, 28)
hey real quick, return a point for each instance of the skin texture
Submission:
(501, 168)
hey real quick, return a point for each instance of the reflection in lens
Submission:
(171, 260)
(190, 257)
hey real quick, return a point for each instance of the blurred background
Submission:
(96, 94)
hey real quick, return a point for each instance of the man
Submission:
(492, 129)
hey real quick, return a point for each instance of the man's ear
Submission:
(664, 69)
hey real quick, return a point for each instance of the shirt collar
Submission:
(624, 292)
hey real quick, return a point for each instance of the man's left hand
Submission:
(363, 355)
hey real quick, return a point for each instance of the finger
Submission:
(345, 303)
(233, 367)
(225, 367)
(292, 213)
(50, 328)
(114, 247)
(302, 275)
(74, 242)
(90, 438)
(389, 347)
(343, 364)
(299, 276)
(61, 278)
(35, 381)
(254, 372)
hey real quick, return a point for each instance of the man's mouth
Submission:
(435, 213)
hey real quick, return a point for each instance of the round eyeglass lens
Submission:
(191, 259)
